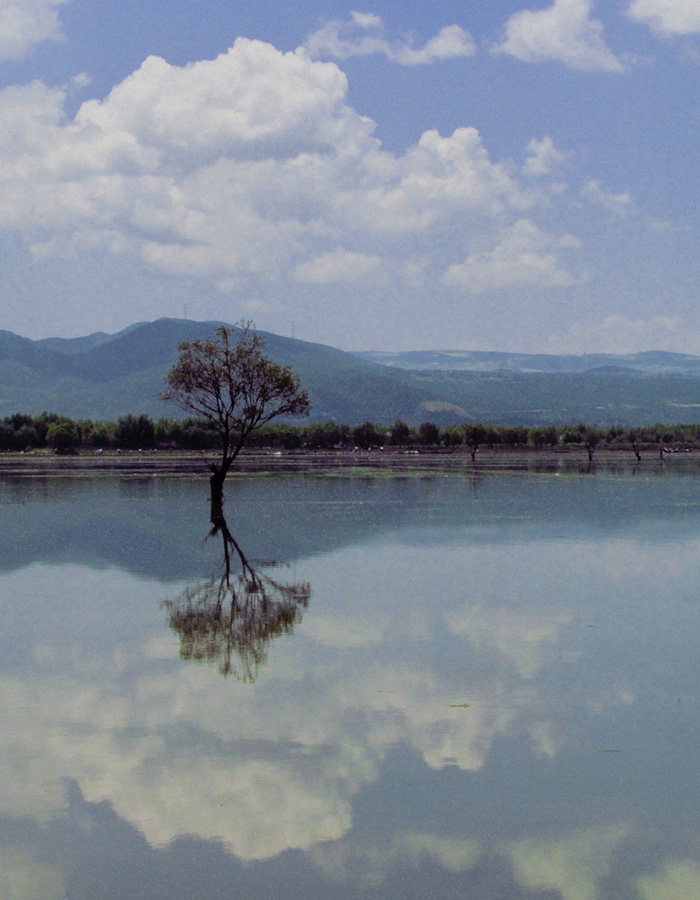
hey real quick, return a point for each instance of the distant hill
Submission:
(102, 376)
(81, 344)
(107, 376)
(652, 362)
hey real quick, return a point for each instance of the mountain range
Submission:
(651, 362)
(105, 376)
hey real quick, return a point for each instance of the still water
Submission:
(425, 688)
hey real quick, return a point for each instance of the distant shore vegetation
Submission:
(53, 433)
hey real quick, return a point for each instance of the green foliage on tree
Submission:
(230, 383)
(428, 434)
(21, 432)
(62, 435)
(367, 435)
(474, 436)
(400, 434)
(451, 436)
(591, 438)
(135, 431)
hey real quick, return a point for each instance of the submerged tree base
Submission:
(216, 486)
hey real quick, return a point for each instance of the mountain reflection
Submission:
(231, 618)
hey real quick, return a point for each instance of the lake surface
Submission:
(443, 687)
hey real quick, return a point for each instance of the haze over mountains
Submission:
(103, 376)
(651, 362)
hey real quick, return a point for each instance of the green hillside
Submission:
(98, 378)
(107, 376)
(601, 397)
(651, 362)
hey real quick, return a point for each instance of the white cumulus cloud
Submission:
(251, 176)
(565, 32)
(339, 266)
(620, 204)
(251, 165)
(24, 23)
(543, 157)
(363, 34)
(525, 257)
(667, 16)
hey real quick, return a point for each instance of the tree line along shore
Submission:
(22, 433)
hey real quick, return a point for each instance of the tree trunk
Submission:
(216, 482)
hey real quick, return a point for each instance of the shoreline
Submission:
(341, 462)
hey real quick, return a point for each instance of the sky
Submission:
(514, 175)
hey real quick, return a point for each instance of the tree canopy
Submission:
(233, 385)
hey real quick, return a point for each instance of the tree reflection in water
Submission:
(231, 618)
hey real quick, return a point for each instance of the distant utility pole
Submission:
(184, 311)
(292, 328)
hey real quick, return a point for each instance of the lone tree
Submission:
(230, 382)
(474, 437)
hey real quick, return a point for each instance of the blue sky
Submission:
(507, 175)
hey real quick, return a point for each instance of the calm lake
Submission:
(446, 687)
